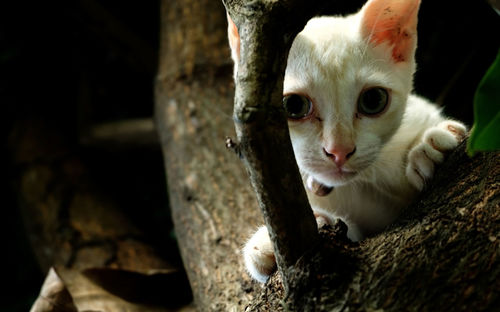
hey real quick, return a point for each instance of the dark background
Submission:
(73, 64)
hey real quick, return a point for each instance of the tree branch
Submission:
(267, 30)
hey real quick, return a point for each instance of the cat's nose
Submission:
(340, 154)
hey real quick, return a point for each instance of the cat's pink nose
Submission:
(340, 154)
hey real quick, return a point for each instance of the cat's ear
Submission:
(394, 23)
(234, 39)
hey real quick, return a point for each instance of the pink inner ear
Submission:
(234, 38)
(393, 22)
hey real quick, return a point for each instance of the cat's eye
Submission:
(297, 106)
(373, 101)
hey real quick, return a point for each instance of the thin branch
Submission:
(267, 30)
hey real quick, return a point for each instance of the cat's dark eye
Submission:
(297, 106)
(373, 101)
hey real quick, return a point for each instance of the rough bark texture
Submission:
(213, 207)
(262, 128)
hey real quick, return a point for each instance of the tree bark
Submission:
(262, 128)
(213, 207)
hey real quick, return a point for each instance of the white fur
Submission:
(396, 152)
(258, 255)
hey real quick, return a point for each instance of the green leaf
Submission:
(485, 134)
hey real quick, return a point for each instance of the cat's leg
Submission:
(436, 141)
(258, 252)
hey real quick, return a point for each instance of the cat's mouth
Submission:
(340, 173)
(323, 182)
(318, 188)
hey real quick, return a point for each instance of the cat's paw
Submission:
(323, 218)
(436, 141)
(258, 252)
(258, 255)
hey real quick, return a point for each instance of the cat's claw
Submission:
(436, 141)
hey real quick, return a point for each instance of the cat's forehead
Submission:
(322, 28)
(327, 50)
(326, 41)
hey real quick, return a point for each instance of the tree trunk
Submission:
(213, 207)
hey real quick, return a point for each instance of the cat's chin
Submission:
(334, 178)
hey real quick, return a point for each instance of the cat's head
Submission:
(346, 86)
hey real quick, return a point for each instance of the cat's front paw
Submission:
(258, 252)
(258, 255)
(436, 141)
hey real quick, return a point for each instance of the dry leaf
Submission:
(54, 297)
(109, 290)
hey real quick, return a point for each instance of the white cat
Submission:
(364, 144)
